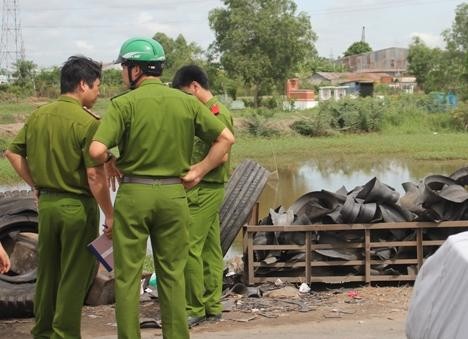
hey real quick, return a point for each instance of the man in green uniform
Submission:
(154, 127)
(204, 269)
(51, 153)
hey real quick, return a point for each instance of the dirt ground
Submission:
(361, 312)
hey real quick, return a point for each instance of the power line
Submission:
(377, 7)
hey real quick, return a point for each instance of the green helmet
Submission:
(141, 49)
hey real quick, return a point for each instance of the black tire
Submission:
(16, 300)
(242, 192)
(18, 213)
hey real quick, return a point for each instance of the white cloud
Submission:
(148, 25)
(429, 39)
(84, 45)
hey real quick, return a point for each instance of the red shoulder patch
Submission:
(214, 109)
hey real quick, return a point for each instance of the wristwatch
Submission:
(110, 156)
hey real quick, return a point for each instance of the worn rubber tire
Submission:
(242, 192)
(18, 213)
(16, 300)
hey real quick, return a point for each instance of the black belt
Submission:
(49, 191)
(151, 180)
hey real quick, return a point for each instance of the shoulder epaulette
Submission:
(95, 115)
(120, 94)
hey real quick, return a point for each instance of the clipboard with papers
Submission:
(101, 247)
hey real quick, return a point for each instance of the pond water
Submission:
(289, 182)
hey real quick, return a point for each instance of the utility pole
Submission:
(11, 39)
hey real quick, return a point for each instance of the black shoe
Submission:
(194, 321)
(214, 317)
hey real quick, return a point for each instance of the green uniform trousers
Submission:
(204, 269)
(66, 268)
(160, 211)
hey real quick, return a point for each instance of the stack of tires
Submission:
(18, 235)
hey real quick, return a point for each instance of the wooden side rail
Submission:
(363, 231)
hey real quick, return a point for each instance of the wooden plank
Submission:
(393, 244)
(284, 279)
(393, 277)
(321, 279)
(419, 247)
(432, 242)
(395, 262)
(339, 279)
(280, 264)
(332, 263)
(307, 258)
(333, 246)
(367, 255)
(278, 247)
(250, 258)
(329, 263)
(347, 227)
(245, 254)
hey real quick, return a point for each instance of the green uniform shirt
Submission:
(55, 141)
(153, 127)
(200, 149)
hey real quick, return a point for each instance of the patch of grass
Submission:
(284, 150)
(10, 113)
(8, 175)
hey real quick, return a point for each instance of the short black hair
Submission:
(78, 68)
(186, 74)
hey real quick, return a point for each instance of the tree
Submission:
(178, 53)
(457, 50)
(443, 70)
(358, 47)
(422, 61)
(261, 42)
(457, 36)
(24, 73)
(48, 82)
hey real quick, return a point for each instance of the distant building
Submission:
(333, 92)
(363, 88)
(6, 78)
(301, 98)
(322, 78)
(405, 84)
(334, 78)
(391, 60)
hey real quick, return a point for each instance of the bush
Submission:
(256, 126)
(309, 127)
(354, 115)
(460, 116)
(271, 103)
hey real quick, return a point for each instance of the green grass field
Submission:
(428, 137)
(290, 149)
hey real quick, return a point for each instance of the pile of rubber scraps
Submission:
(434, 198)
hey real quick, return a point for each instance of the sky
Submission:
(52, 30)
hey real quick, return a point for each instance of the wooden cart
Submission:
(305, 269)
